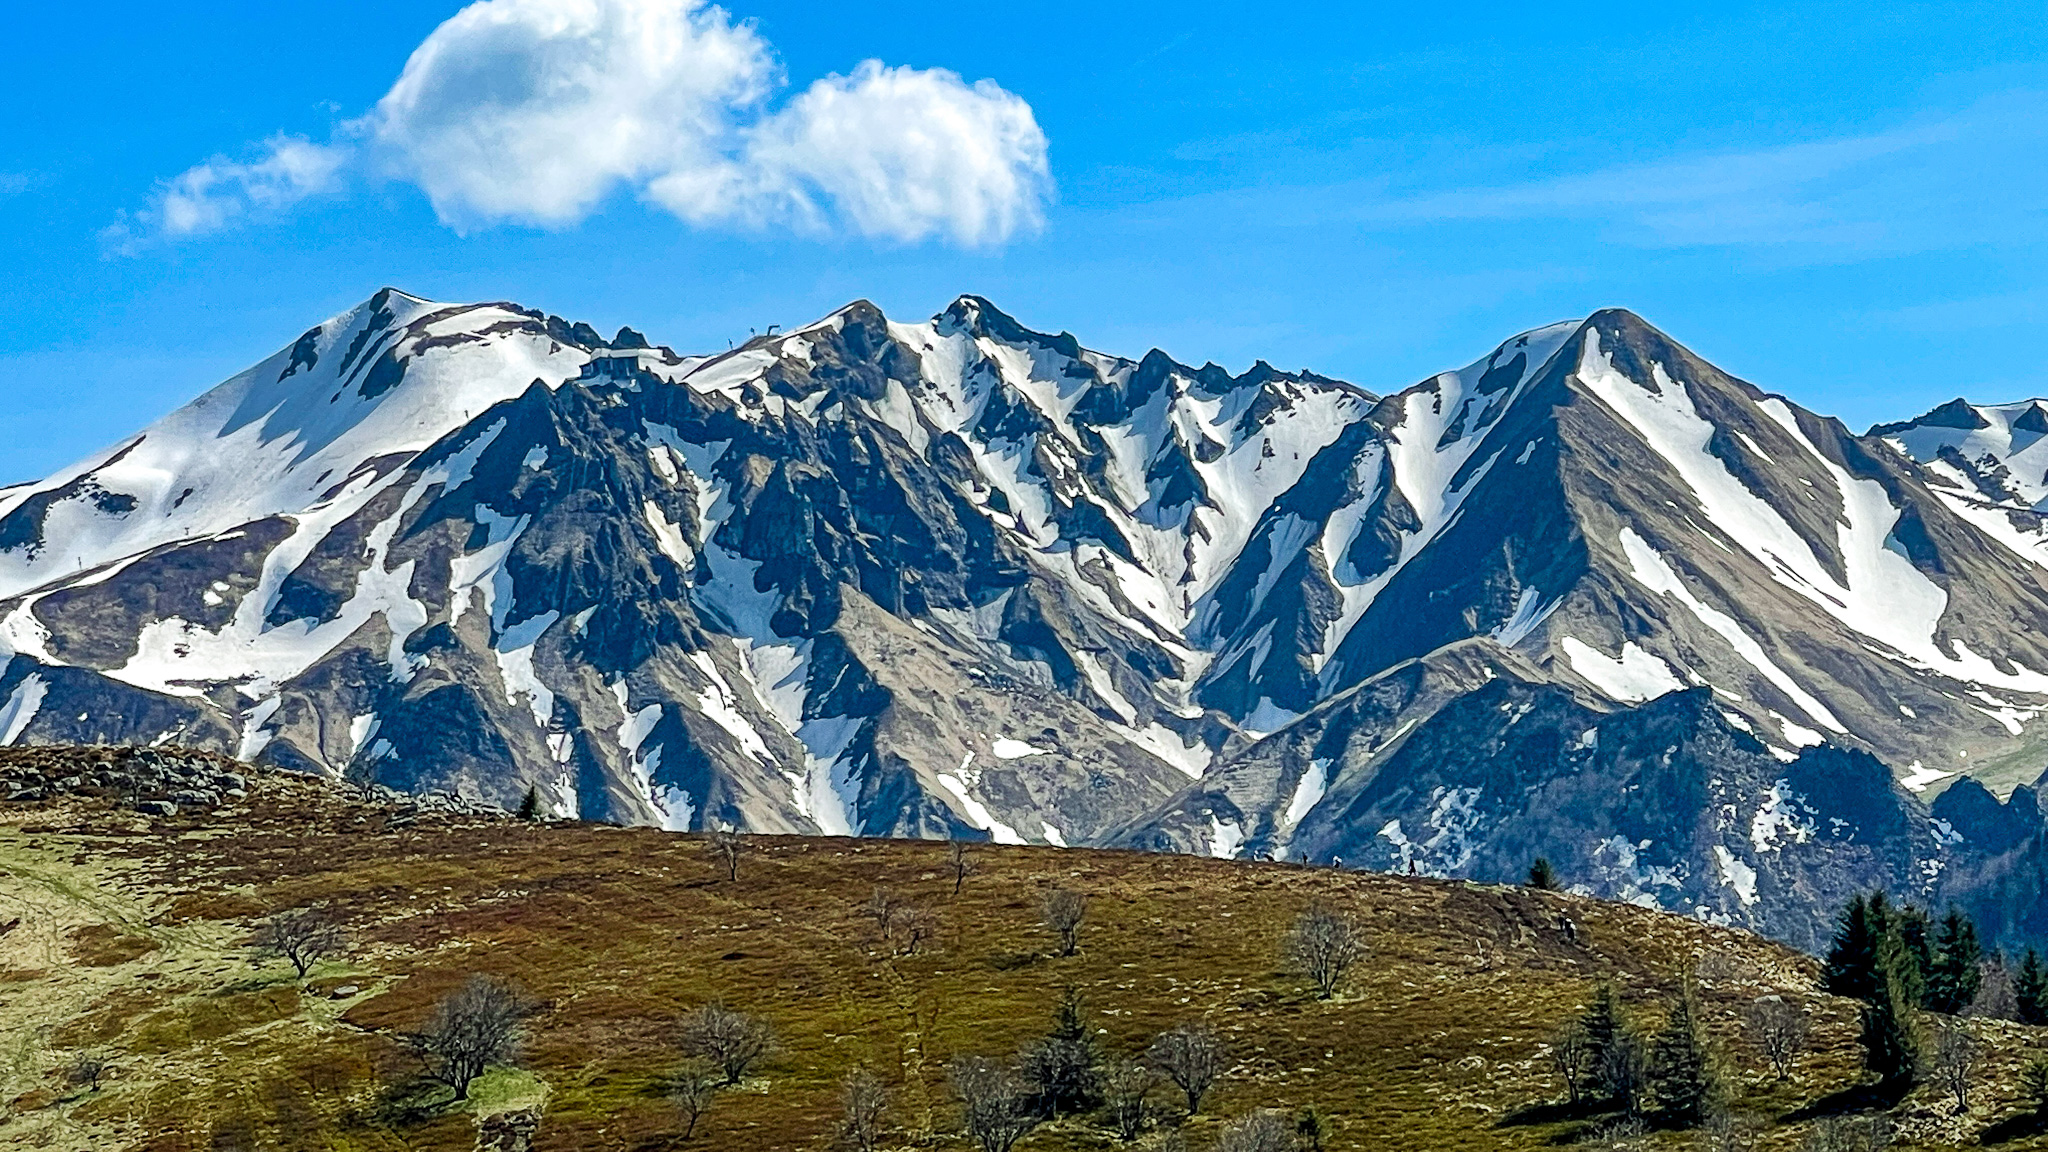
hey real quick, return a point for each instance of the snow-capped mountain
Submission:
(1588, 597)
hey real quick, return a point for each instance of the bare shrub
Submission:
(1572, 1055)
(470, 1029)
(1125, 1087)
(1262, 1131)
(1323, 945)
(995, 1102)
(692, 1094)
(1191, 1056)
(1996, 998)
(863, 1102)
(1063, 912)
(87, 1070)
(731, 1041)
(1726, 1132)
(912, 927)
(1624, 1072)
(302, 936)
(962, 864)
(1779, 1029)
(880, 908)
(1850, 1134)
(1955, 1058)
(725, 846)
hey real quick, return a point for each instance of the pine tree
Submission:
(1915, 960)
(1542, 876)
(1681, 1069)
(529, 807)
(1891, 1049)
(1064, 1067)
(1602, 1023)
(1953, 978)
(2032, 990)
(1851, 968)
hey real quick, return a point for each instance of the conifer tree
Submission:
(1542, 876)
(1891, 1049)
(1851, 968)
(1915, 958)
(529, 806)
(1602, 1025)
(1953, 979)
(2032, 990)
(1681, 1068)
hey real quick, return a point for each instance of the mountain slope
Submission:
(959, 578)
(134, 946)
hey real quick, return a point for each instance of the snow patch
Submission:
(1633, 677)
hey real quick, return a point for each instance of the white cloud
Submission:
(897, 152)
(211, 196)
(536, 111)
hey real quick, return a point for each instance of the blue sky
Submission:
(1847, 203)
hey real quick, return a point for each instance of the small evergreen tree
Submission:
(1851, 968)
(1890, 1047)
(1681, 1068)
(2031, 990)
(1063, 1067)
(1602, 1021)
(1956, 973)
(529, 807)
(1915, 959)
(1542, 876)
(1312, 1129)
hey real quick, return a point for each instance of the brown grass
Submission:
(1434, 1043)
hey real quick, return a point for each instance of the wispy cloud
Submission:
(537, 111)
(1971, 177)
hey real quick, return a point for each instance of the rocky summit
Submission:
(1588, 598)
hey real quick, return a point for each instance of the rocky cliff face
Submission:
(1588, 597)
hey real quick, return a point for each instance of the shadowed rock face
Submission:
(1588, 597)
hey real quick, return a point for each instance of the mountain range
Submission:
(1588, 598)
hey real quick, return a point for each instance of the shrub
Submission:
(470, 1029)
(1323, 945)
(731, 1041)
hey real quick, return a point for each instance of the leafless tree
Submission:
(470, 1029)
(1996, 997)
(1323, 944)
(995, 1102)
(1191, 1056)
(692, 1094)
(862, 1103)
(1955, 1060)
(1726, 1132)
(724, 846)
(1571, 1053)
(1840, 1134)
(1063, 912)
(1125, 1087)
(300, 935)
(1624, 1072)
(880, 907)
(963, 865)
(1262, 1131)
(731, 1041)
(1779, 1027)
(87, 1070)
(911, 927)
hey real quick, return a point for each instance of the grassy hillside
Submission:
(132, 936)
